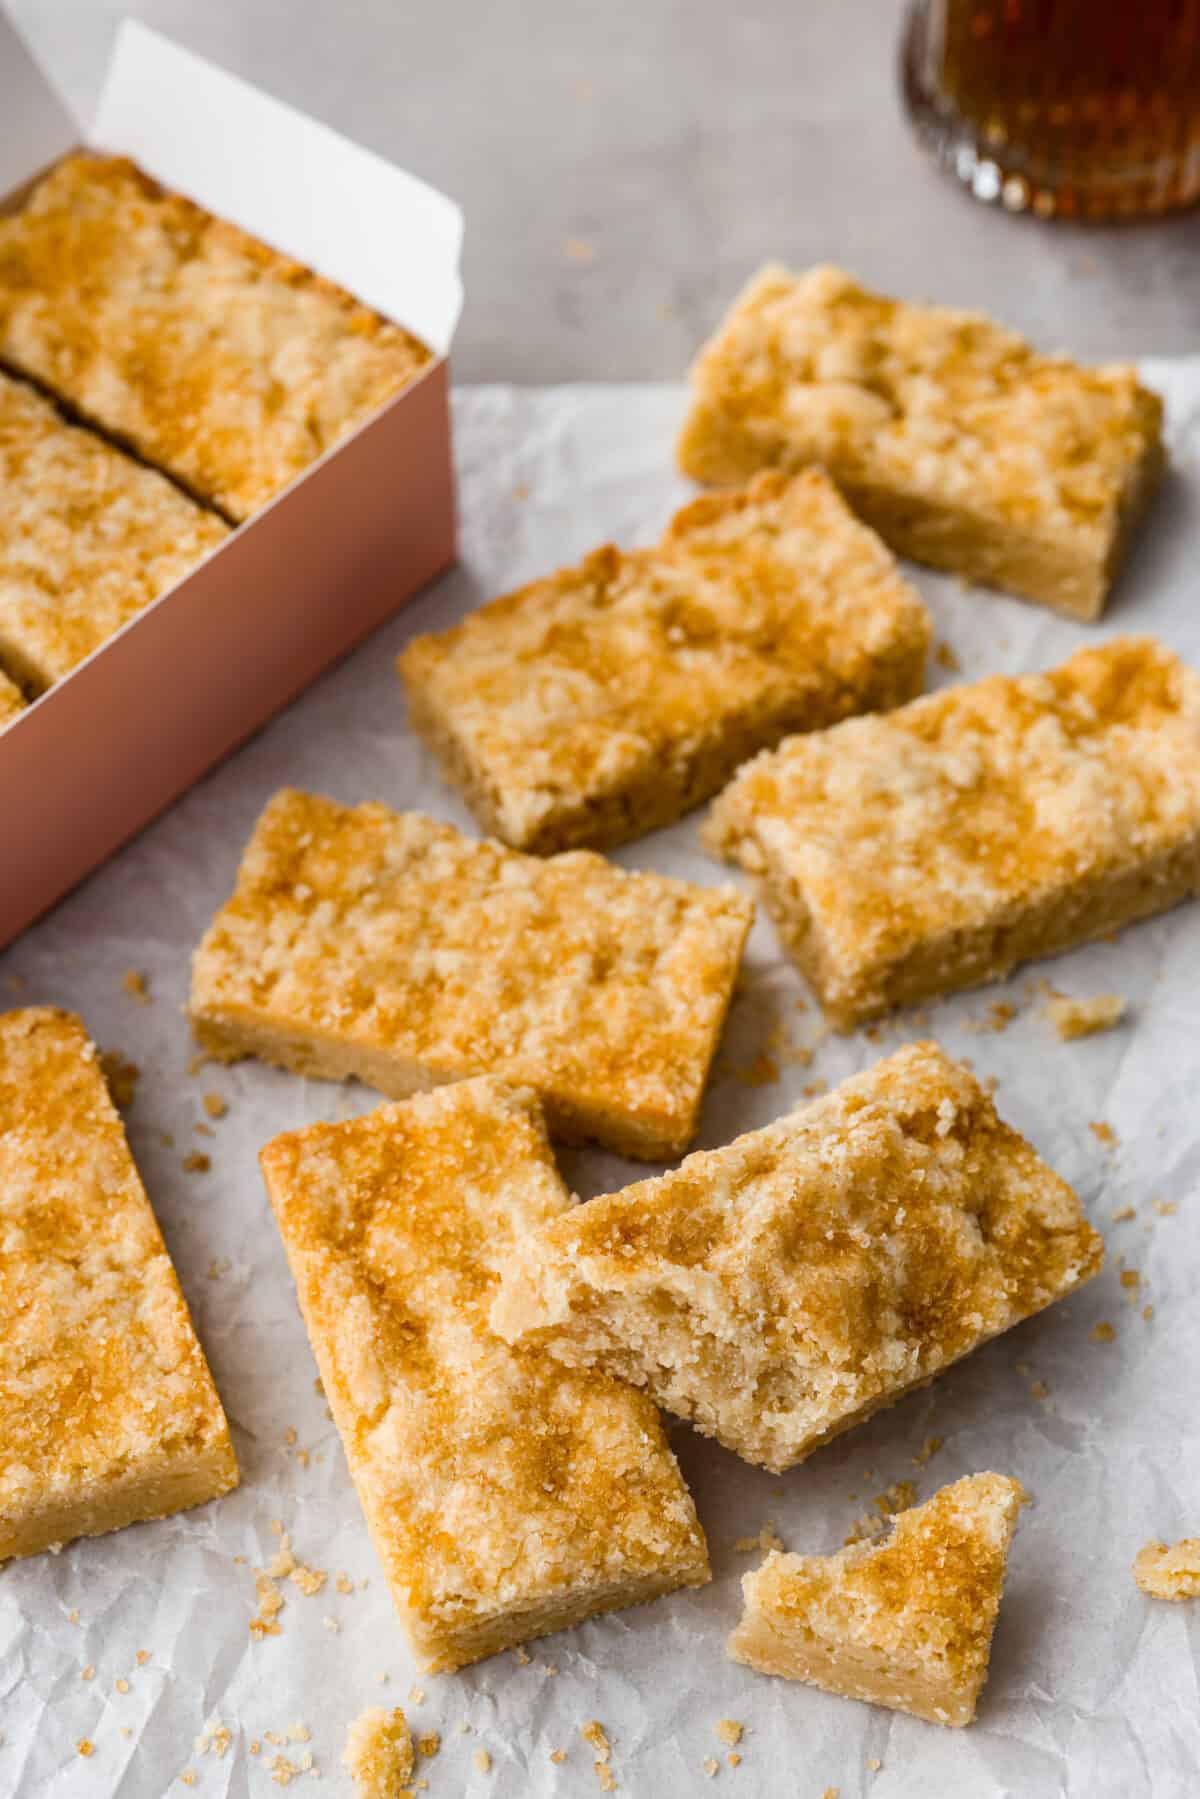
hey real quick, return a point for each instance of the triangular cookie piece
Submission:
(905, 1623)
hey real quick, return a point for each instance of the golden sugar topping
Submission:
(960, 807)
(498, 1485)
(88, 537)
(423, 949)
(102, 1379)
(220, 359)
(923, 399)
(762, 611)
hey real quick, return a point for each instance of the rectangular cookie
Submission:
(219, 359)
(906, 1623)
(608, 699)
(108, 1413)
(974, 830)
(12, 700)
(370, 943)
(953, 438)
(88, 537)
(782, 1289)
(507, 1496)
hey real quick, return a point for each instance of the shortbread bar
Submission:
(369, 943)
(941, 846)
(88, 537)
(12, 700)
(230, 366)
(108, 1414)
(608, 699)
(506, 1495)
(949, 435)
(906, 1623)
(782, 1289)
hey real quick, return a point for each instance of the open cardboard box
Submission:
(330, 558)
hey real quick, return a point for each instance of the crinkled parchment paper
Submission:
(1094, 1689)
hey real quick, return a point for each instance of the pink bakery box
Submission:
(332, 556)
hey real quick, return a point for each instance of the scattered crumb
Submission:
(270, 1604)
(136, 986)
(762, 1072)
(1073, 1018)
(203, 1130)
(214, 1105)
(1123, 1212)
(814, 1089)
(166, 1139)
(1103, 1332)
(85, 1746)
(523, 1656)
(1165, 1208)
(299, 1733)
(578, 249)
(1130, 1277)
(928, 1449)
(831, 1793)
(874, 1763)
(558, 1756)
(284, 1566)
(73, 1615)
(521, 491)
(188, 1778)
(196, 1162)
(767, 1538)
(88, 1673)
(255, 1746)
(142, 1657)
(1147, 1313)
(897, 1498)
(379, 1754)
(728, 1730)
(214, 1739)
(945, 658)
(283, 1771)
(1000, 1015)
(482, 1761)
(416, 1695)
(734, 1759)
(430, 1743)
(15, 982)
(343, 1583)
(121, 1685)
(331, 1625)
(1169, 1573)
(122, 1077)
(196, 1062)
(1040, 1390)
(1104, 1133)
(711, 1765)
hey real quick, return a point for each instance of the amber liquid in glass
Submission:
(1080, 108)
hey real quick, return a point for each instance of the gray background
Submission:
(672, 145)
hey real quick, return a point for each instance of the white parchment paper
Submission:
(1094, 1689)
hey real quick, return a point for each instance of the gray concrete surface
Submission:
(624, 166)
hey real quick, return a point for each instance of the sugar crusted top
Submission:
(88, 537)
(931, 818)
(567, 973)
(215, 356)
(813, 367)
(493, 1478)
(586, 679)
(99, 1366)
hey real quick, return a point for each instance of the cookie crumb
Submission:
(1102, 1332)
(482, 1761)
(85, 1746)
(430, 1743)
(711, 1766)
(1123, 1213)
(270, 1604)
(928, 1449)
(558, 1757)
(214, 1105)
(767, 1538)
(121, 1076)
(1104, 1133)
(88, 1673)
(379, 1753)
(121, 1685)
(578, 249)
(136, 986)
(196, 1162)
(946, 658)
(1169, 1572)
(728, 1730)
(1073, 1018)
